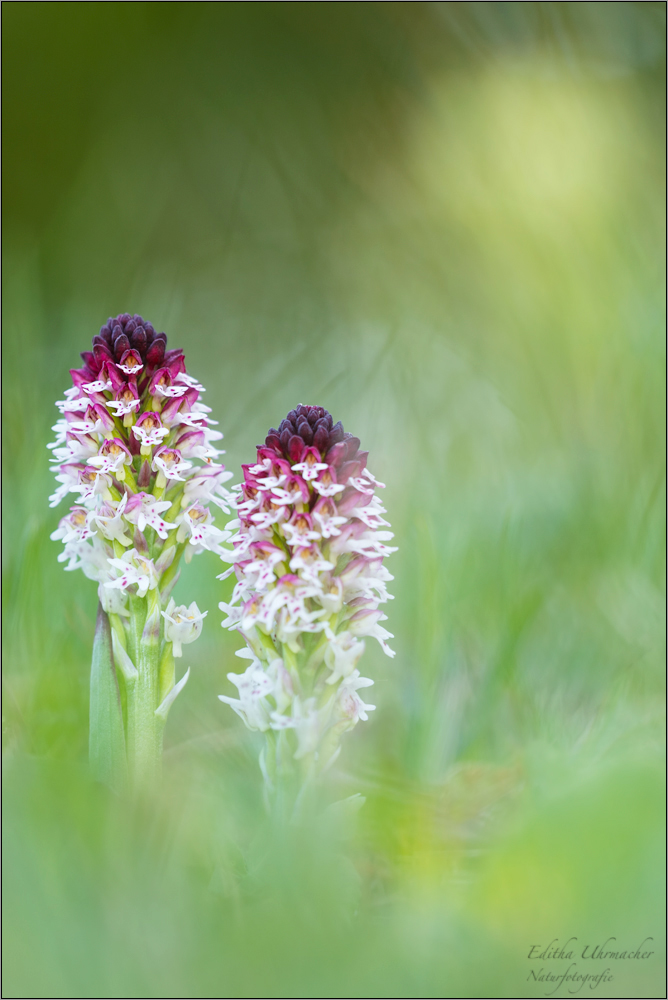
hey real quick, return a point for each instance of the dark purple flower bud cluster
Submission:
(311, 426)
(131, 342)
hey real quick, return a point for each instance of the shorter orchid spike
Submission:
(308, 557)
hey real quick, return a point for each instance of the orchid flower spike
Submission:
(308, 557)
(136, 447)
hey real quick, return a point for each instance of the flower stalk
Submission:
(135, 445)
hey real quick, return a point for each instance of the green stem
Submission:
(144, 727)
(289, 783)
(106, 743)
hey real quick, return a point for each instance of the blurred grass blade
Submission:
(107, 740)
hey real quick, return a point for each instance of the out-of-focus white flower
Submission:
(342, 655)
(114, 601)
(349, 703)
(254, 687)
(182, 624)
(74, 527)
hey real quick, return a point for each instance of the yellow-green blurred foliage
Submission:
(443, 222)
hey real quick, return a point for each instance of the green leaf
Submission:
(168, 701)
(106, 746)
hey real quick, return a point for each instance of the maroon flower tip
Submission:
(311, 426)
(124, 333)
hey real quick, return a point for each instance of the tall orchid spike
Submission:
(135, 446)
(308, 556)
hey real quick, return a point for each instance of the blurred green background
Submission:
(445, 223)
